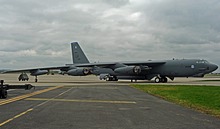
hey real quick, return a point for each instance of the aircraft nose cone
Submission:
(214, 67)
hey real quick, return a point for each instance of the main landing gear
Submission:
(135, 80)
(36, 79)
(161, 79)
(113, 78)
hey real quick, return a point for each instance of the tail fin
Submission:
(77, 54)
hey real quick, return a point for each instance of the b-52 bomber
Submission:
(160, 70)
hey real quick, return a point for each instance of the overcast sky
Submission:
(38, 33)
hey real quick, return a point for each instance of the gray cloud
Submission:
(38, 33)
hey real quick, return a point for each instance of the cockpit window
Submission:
(201, 62)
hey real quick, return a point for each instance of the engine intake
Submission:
(78, 72)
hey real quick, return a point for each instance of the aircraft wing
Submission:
(108, 64)
(104, 65)
(35, 69)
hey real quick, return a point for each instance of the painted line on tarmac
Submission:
(83, 101)
(48, 100)
(92, 87)
(31, 109)
(28, 95)
(19, 115)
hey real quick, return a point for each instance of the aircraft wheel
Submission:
(36, 79)
(165, 80)
(107, 78)
(115, 78)
(110, 79)
(157, 80)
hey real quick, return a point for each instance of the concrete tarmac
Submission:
(53, 80)
(87, 103)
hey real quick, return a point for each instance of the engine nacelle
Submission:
(38, 72)
(128, 70)
(78, 72)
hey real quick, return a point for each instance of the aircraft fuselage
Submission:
(170, 69)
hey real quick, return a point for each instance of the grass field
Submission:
(202, 98)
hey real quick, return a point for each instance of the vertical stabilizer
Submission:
(77, 54)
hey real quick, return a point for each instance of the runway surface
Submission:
(91, 104)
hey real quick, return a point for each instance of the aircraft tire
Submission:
(157, 80)
(110, 79)
(165, 80)
(107, 78)
(115, 78)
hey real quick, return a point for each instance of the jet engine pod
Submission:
(128, 70)
(78, 72)
(137, 69)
